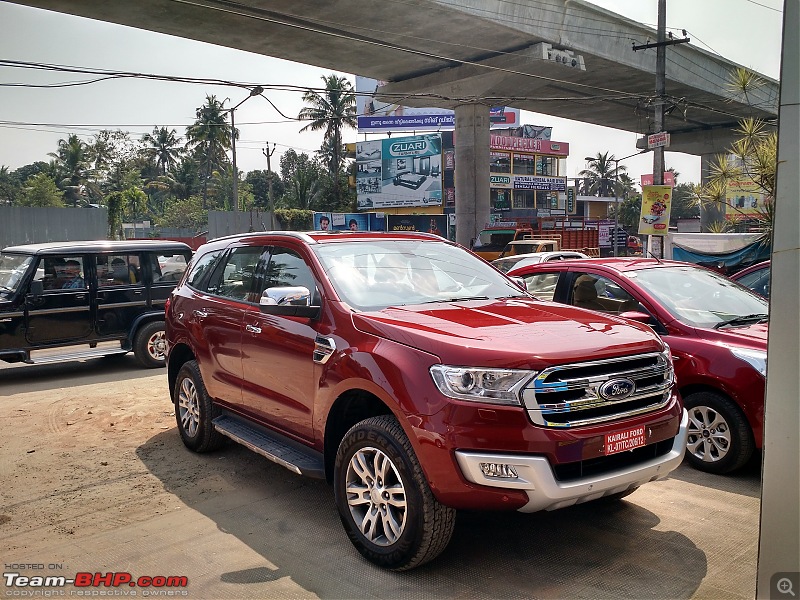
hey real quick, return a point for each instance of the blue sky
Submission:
(745, 31)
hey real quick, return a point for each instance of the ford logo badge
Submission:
(617, 389)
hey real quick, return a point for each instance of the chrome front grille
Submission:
(604, 390)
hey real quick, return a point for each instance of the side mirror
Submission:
(294, 301)
(37, 288)
(635, 315)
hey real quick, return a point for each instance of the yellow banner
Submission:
(656, 204)
(743, 200)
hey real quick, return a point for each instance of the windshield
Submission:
(12, 269)
(372, 275)
(699, 297)
(493, 238)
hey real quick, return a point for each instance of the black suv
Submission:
(82, 293)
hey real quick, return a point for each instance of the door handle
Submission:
(253, 329)
(200, 313)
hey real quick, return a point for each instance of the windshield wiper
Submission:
(458, 299)
(754, 318)
(6, 289)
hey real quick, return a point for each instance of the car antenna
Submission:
(658, 260)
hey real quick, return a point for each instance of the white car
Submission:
(520, 260)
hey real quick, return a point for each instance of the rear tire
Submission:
(194, 411)
(384, 501)
(720, 439)
(150, 345)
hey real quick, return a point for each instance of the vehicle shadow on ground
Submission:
(746, 481)
(19, 378)
(596, 550)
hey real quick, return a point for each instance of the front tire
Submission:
(384, 501)
(719, 439)
(150, 345)
(194, 411)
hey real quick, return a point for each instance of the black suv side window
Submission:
(118, 269)
(234, 278)
(61, 273)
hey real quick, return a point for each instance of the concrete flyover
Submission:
(470, 54)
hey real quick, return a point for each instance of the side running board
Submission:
(271, 445)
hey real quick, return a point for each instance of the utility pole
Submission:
(268, 154)
(661, 90)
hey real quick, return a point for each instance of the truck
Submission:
(580, 235)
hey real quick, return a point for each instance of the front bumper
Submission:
(535, 476)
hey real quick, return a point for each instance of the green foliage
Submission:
(259, 183)
(601, 176)
(294, 219)
(188, 214)
(115, 203)
(685, 203)
(41, 190)
(331, 110)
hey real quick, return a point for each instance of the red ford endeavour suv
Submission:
(716, 329)
(417, 379)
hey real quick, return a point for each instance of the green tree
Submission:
(331, 111)
(601, 175)
(10, 188)
(185, 214)
(753, 156)
(259, 183)
(72, 161)
(115, 203)
(209, 139)
(162, 147)
(303, 180)
(41, 190)
(685, 204)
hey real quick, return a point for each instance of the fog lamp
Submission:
(498, 471)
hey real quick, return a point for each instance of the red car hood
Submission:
(514, 333)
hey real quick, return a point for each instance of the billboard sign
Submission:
(436, 224)
(744, 200)
(377, 116)
(399, 172)
(326, 221)
(656, 205)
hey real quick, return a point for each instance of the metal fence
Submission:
(222, 223)
(30, 225)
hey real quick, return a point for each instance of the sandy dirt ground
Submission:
(95, 478)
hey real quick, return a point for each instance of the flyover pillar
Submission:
(472, 170)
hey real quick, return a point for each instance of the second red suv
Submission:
(417, 379)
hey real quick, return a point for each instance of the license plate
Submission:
(628, 439)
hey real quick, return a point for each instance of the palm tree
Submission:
(162, 147)
(602, 172)
(72, 163)
(209, 138)
(331, 111)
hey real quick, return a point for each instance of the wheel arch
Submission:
(179, 355)
(349, 408)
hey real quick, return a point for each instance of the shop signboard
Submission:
(500, 181)
(327, 221)
(541, 183)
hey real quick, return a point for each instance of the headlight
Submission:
(667, 354)
(493, 386)
(755, 358)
